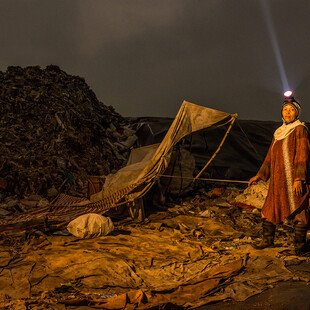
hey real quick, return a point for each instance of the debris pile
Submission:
(55, 133)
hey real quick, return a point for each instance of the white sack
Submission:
(90, 225)
(254, 195)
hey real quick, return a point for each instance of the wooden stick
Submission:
(217, 150)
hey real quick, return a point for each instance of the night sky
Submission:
(144, 57)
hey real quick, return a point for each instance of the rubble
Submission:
(55, 133)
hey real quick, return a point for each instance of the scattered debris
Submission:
(191, 254)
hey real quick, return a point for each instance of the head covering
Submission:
(294, 103)
(287, 128)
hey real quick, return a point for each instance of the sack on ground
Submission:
(90, 226)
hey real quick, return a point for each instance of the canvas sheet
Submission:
(141, 267)
(138, 176)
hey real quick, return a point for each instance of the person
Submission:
(286, 168)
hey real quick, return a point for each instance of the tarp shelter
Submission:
(240, 157)
(147, 163)
(135, 179)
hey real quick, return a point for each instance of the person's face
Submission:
(289, 113)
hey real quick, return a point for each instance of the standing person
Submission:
(286, 167)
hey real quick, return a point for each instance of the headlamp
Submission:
(288, 93)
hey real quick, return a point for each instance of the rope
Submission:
(254, 149)
(204, 179)
(217, 150)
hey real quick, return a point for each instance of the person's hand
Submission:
(297, 188)
(254, 180)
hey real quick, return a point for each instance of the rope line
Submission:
(250, 143)
(203, 179)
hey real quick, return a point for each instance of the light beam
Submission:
(274, 43)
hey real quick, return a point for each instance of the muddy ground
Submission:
(192, 253)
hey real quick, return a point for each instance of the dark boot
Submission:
(269, 230)
(300, 239)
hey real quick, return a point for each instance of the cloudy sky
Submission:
(144, 57)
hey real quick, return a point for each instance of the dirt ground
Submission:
(195, 253)
(284, 296)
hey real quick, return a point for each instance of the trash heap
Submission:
(55, 133)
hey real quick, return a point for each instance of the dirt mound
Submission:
(54, 133)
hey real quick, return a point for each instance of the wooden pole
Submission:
(218, 148)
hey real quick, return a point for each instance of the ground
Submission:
(194, 253)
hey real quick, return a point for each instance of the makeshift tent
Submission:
(135, 179)
(240, 157)
(139, 175)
